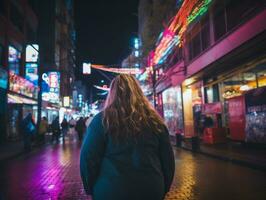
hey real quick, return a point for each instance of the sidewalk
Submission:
(11, 149)
(250, 156)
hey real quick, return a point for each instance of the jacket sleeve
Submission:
(92, 152)
(167, 159)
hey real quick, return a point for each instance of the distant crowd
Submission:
(72, 128)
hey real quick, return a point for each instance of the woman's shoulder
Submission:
(98, 116)
(97, 119)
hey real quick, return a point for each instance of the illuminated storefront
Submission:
(228, 87)
(22, 99)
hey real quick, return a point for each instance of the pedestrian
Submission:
(64, 126)
(72, 125)
(43, 129)
(28, 129)
(55, 129)
(88, 120)
(80, 128)
(126, 153)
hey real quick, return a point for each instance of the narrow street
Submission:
(52, 172)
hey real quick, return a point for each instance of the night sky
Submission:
(105, 32)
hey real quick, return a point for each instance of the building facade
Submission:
(18, 28)
(57, 54)
(208, 65)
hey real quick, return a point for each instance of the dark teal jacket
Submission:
(135, 169)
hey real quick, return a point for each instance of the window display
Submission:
(172, 109)
(256, 115)
(242, 82)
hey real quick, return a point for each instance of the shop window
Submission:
(16, 17)
(205, 32)
(231, 86)
(199, 37)
(239, 10)
(249, 80)
(261, 76)
(208, 94)
(194, 42)
(212, 93)
(230, 13)
(239, 83)
(219, 20)
(196, 45)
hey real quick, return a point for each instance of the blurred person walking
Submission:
(55, 129)
(72, 125)
(64, 126)
(28, 129)
(126, 153)
(80, 128)
(43, 129)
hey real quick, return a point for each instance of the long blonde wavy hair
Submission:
(127, 111)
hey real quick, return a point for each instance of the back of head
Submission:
(127, 111)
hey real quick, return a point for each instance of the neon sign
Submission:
(51, 87)
(22, 86)
(173, 35)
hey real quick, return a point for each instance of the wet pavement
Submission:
(52, 172)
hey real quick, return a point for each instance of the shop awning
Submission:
(16, 99)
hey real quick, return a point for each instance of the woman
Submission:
(80, 128)
(64, 126)
(126, 153)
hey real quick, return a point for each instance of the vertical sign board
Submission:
(256, 115)
(32, 55)
(51, 87)
(14, 58)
